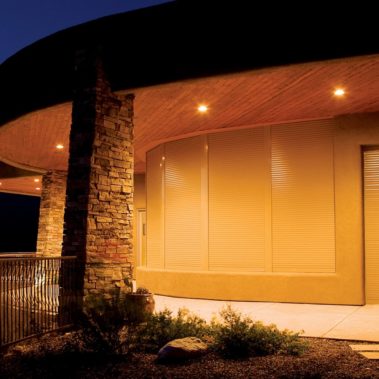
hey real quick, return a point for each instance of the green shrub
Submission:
(162, 327)
(102, 320)
(108, 322)
(238, 336)
(113, 325)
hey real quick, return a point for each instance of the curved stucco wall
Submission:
(266, 214)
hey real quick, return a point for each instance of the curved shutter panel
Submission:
(183, 204)
(237, 177)
(371, 193)
(303, 219)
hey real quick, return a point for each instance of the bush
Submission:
(238, 336)
(114, 325)
(102, 320)
(108, 322)
(162, 327)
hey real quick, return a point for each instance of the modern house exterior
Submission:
(239, 168)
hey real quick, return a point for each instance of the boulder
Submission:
(181, 349)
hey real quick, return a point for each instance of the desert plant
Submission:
(162, 327)
(105, 322)
(237, 336)
(115, 324)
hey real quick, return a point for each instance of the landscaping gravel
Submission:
(52, 357)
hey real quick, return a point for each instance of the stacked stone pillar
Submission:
(99, 206)
(50, 227)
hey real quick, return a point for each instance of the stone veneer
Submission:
(99, 207)
(50, 227)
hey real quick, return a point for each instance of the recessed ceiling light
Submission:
(202, 108)
(59, 146)
(1, 184)
(36, 180)
(339, 92)
(37, 188)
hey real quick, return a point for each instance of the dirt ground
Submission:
(49, 357)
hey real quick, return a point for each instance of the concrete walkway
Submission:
(328, 321)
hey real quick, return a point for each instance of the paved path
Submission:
(328, 321)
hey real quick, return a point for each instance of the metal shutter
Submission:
(303, 217)
(237, 174)
(183, 204)
(371, 209)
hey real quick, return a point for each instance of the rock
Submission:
(181, 349)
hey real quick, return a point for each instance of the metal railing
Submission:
(37, 295)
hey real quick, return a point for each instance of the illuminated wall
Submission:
(257, 214)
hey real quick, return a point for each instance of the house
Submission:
(245, 156)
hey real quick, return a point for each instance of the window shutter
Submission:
(303, 218)
(237, 165)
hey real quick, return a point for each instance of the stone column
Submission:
(50, 226)
(99, 206)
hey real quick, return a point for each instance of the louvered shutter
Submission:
(183, 204)
(237, 165)
(371, 209)
(303, 217)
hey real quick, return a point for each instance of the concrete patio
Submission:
(328, 321)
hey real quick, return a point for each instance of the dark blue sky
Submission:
(23, 22)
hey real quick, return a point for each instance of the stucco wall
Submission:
(342, 285)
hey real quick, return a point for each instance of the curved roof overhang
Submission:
(182, 40)
(251, 72)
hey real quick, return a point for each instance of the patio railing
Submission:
(37, 295)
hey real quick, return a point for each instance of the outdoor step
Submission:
(367, 347)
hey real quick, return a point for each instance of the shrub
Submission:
(115, 325)
(108, 322)
(102, 320)
(238, 336)
(162, 327)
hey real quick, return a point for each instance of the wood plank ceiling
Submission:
(166, 112)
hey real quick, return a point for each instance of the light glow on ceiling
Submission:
(339, 92)
(202, 108)
(36, 180)
(38, 188)
(59, 146)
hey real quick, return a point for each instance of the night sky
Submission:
(23, 22)
(18, 222)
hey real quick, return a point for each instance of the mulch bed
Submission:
(47, 358)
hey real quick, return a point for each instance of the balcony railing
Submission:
(37, 295)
